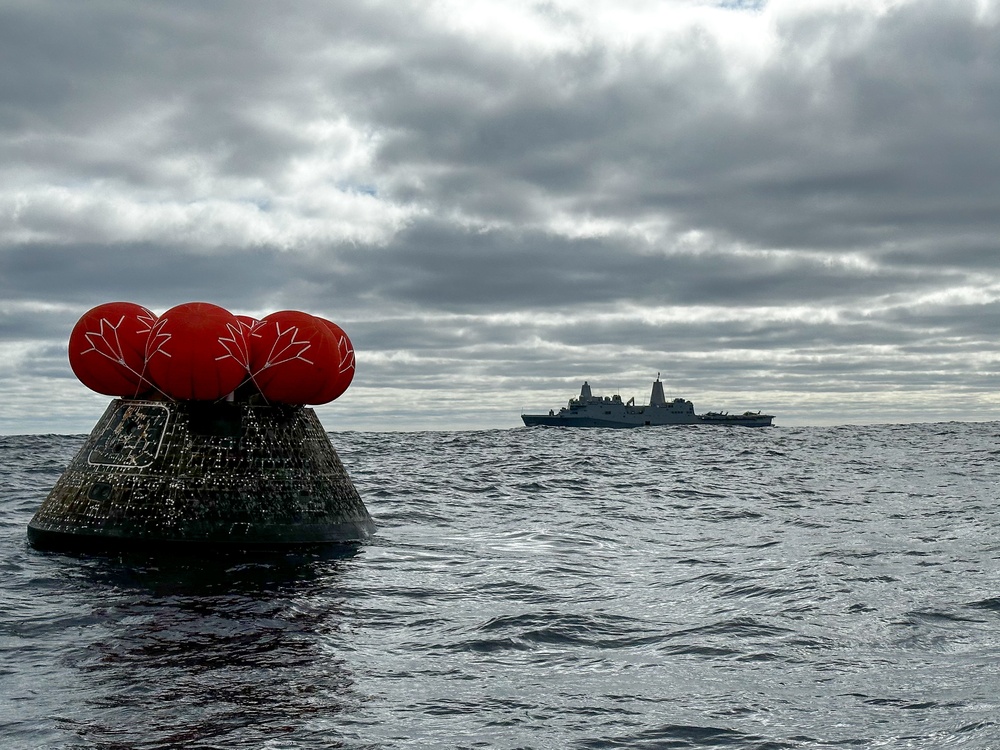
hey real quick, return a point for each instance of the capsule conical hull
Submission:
(189, 474)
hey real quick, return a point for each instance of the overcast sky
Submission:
(790, 205)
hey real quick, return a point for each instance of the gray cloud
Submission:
(435, 267)
(795, 204)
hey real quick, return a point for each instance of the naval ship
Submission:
(589, 410)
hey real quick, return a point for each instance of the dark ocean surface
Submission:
(687, 587)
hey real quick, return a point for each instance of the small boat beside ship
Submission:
(588, 410)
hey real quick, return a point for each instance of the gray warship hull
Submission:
(610, 411)
(645, 420)
(188, 474)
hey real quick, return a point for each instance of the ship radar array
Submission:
(198, 351)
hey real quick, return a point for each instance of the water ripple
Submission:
(688, 588)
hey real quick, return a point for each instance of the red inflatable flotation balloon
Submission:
(196, 351)
(247, 324)
(345, 372)
(293, 357)
(107, 348)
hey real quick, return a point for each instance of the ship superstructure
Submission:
(588, 410)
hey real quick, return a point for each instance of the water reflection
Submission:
(201, 653)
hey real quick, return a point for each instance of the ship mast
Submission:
(656, 398)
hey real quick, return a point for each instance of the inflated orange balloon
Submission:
(107, 348)
(345, 371)
(196, 351)
(247, 324)
(293, 357)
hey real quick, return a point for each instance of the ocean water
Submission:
(541, 588)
